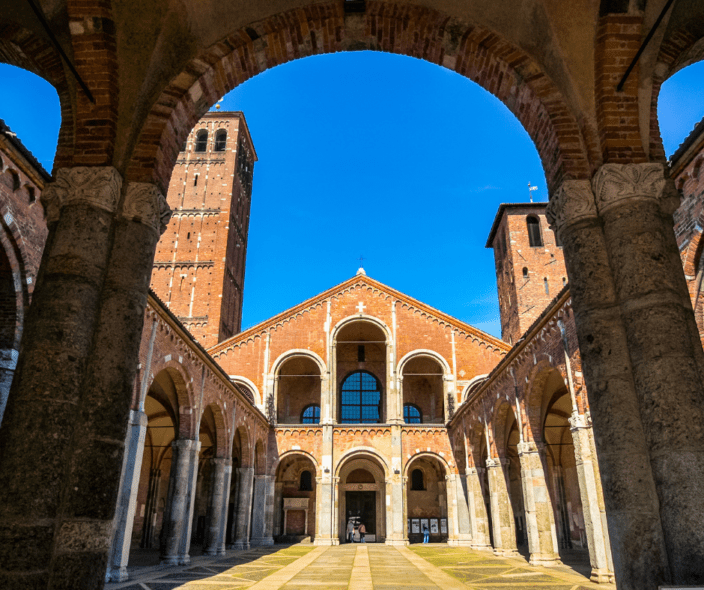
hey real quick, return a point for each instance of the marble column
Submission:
(540, 518)
(635, 203)
(262, 514)
(176, 513)
(592, 504)
(635, 530)
(478, 518)
(460, 505)
(127, 498)
(216, 521)
(244, 507)
(502, 522)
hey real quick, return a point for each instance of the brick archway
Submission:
(472, 51)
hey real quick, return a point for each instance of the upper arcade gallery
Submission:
(139, 75)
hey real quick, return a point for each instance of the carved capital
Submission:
(145, 203)
(97, 186)
(572, 202)
(578, 420)
(526, 448)
(492, 462)
(615, 184)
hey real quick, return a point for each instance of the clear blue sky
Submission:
(384, 156)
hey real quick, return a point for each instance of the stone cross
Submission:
(361, 307)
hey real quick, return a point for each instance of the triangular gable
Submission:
(358, 281)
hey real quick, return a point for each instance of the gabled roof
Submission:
(359, 281)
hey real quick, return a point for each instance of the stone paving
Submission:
(359, 567)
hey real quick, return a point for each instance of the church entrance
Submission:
(361, 508)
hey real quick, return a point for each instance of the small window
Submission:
(15, 180)
(360, 353)
(311, 414)
(306, 483)
(534, 236)
(412, 414)
(547, 287)
(31, 194)
(564, 281)
(202, 141)
(417, 480)
(195, 180)
(188, 236)
(220, 140)
(525, 272)
(184, 145)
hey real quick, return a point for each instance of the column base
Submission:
(480, 547)
(396, 542)
(544, 560)
(239, 545)
(117, 575)
(261, 541)
(326, 541)
(506, 552)
(169, 560)
(184, 559)
(211, 551)
(601, 576)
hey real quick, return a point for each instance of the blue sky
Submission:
(374, 155)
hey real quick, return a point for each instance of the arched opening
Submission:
(220, 140)
(535, 238)
(295, 498)
(201, 141)
(240, 488)
(426, 499)
(361, 373)
(480, 455)
(509, 448)
(162, 409)
(298, 391)
(423, 389)
(362, 498)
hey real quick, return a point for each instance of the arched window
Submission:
(547, 287)
(534, 236)
(361, 399)
(184, 145)
(412, 414)
(306, 484)
(525, 272)
(15, 180)
(220, 140)
(417, 480)
(311, 414)
(202, 140)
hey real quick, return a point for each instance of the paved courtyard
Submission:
(359, 567)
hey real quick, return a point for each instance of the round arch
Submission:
(249, 384)
(427, 455)
(368, 453)
(474, 384)
(292, 455)
(294, 352)
(500, 419)
(221, 440)
(360, 317)
(424, 352)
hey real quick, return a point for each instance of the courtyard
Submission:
(358, 567)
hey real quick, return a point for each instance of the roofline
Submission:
(159, 306)
(30, 160)
(240, 114)
(560, 299)
(691, 146)
(499, 215)
(351, 281)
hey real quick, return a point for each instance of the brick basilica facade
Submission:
(361, 404)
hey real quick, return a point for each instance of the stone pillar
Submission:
(127, 498)
(74, 380)
(178, 502)
(244, 507)
(636, 203)
(326, 532)
(501, 510)
(222, 538)
(184, 557)
(395, 500)
(261, 514)
(478, 518)
(459, 510)
(279, 529)
(540, 518)
(597, 536)
(629, 489)
(234, 495)
(214, 543)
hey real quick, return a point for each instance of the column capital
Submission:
(474, 470)
(97, 186)
(183, 443)
(578, 421)
(526, 448)
(496, 462)
(572, 202)
(146, 204)
(615, 184)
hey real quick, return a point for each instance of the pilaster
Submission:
(502, 521)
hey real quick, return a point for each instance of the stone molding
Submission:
(572, 202)
(578, 421)
(496, 462)
(146, 204)
(97, 186)
(615, 184)
(527, 448)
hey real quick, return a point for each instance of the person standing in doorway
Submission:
(350, 531)
(362, 531)
(426, 534)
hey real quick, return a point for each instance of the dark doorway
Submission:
(361, 507)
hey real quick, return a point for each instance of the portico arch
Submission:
(295, 495)
(423, 374)
(427, 497)
(297, 388)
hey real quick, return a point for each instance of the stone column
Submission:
(597, 536)
(325, 513)
(222, 538)
(501, 510)
(244, 507)
(540, 518)
(177, 500)
(234, 495)
(127, 498)
(629, 489)
(457, 502)
(214, 544)
(636, 203)
(478, 518)
(395, 500)
(262, 502)
(184, 557)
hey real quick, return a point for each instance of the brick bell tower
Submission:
(200, 260)
(530, 267)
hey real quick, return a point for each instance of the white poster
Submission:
(443, 526)
(423, 524)
(415, 525)
(433, 526)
